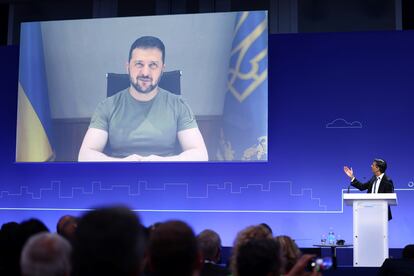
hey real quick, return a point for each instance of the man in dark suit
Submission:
(379, 183)
(399, 267)
(209, 243)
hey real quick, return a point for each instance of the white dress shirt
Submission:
(377, 183)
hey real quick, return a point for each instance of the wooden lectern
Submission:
(370, 227)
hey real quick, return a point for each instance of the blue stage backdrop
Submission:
(334, 99)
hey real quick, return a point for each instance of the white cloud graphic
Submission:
(342, 123)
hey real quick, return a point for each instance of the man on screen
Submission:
(143, 122)
(379, 183)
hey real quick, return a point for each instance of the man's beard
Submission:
(139, 88)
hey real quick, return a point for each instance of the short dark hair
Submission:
(408, 252)
(64, 221)
(173, 249)
(66, 227)
(29, 228)
(259, 257)
(209, 243)
(146, 42)
(108, 241)
(381, 164)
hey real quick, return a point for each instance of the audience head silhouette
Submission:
(209, 243)
(173, 250)
(259, 257)
(108, 242)
(46, 254)
(408, 252)
(66, 227)
(255, 231)
(290, 252)
(10, 249)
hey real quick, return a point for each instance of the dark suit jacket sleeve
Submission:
(362, 186)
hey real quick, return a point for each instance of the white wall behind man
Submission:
(79, 53)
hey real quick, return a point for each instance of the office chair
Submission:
(170, 81)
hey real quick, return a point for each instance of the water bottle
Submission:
(331, 237)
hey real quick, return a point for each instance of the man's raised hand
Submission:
(349, 172)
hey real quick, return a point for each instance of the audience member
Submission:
(408, 252)
(258, 257)
(400, 267)
(111, 241)
(9, 249)
(66, 227)
(46, 254)
(247, 234)
(255, 253)
(209, 243)
(147, 233)
(173, 250)
(29, 228)
(290, 252)
(108, 242)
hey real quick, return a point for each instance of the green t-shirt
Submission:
(143, 128)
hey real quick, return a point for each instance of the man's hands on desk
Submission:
(149, 158)
(133, 158)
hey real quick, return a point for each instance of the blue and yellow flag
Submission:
(244, 132)
(33, 112)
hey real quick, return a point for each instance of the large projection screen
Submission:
(66, 70)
